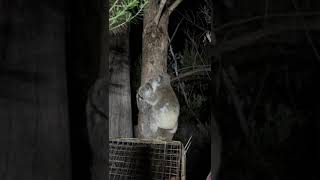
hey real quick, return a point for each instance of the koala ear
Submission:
(165, 77)
(160, 78)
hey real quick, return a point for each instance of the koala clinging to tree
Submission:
(160, 108)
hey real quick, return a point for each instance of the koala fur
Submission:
(157, 101)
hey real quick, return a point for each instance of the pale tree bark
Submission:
(109, 100)
(155, 47)
(120, 121)
(155, 39)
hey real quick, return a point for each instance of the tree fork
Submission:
(155, 45)
(155, 38)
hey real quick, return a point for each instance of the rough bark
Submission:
(120, 121)
(109, 100)
(155, 43)
(154, 49)
(34, 126)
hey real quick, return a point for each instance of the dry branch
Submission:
(174, 6)
(189, 73)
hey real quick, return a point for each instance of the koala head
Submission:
(161, 79)
(147, 93)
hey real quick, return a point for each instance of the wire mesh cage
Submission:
(131, 158)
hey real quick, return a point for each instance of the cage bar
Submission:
(131, 158)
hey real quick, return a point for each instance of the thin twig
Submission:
(175, 31)
(197, 51)
(182, 88)
(113, 5)
(188, 145)
(177, 75)
(307, 33)
(127, 20)
(191, 22)
(193, 67)
(189, 73)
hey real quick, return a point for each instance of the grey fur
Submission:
(159, 107)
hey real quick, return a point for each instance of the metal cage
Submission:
(131, 158)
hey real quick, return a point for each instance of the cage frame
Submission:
(182, 165)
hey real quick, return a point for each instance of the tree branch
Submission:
(158, 15)
(174, 6)
(189, 73)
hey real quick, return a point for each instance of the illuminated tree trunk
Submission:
(120, 122)
(155, 46)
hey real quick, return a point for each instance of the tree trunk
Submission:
(120, 121)
(155, 43)
(154, 48)
(109, 100)
(34, 127)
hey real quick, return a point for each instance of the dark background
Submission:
(287, 52)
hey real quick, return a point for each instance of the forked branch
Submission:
(158, 15)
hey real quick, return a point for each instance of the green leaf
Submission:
(122, 12)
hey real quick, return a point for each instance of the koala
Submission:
(157, 100)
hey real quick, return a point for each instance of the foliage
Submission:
(122, 12)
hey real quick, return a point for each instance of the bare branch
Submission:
(197, 51)
(175, 31)
(187, 68)
(187, 18)
(181, 84)
(189, 73)
(307, 33)
(173, 6)
(157, 18)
